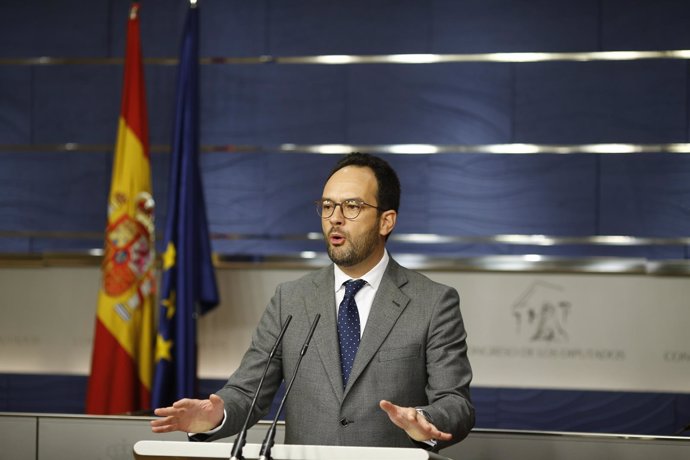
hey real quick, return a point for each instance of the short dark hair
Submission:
(388, 195)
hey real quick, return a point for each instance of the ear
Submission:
(387, 222)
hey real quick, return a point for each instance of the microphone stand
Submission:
(269, 440)
(241, 438)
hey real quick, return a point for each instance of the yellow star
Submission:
(169, 305)
(169, 256)
(163, 348)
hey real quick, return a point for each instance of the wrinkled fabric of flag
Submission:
(188, 285)
(122, 360)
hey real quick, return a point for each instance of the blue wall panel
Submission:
(233, 187)
(579, 411)
(462, 103)
(42, 393)
(71, 28)
(645, 24)
(416, 178)
(233, 28)
(15, 109)
(76, 104)
(268, 105)
(298, 27)
(490, 26)
(44, 191)
(647, 194)
(485, 195)
(264, 193)
(576, 102)
(438, 104)
(227, 27)
(16, 245)
(160, 87)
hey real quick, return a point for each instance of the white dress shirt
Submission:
(365, 297)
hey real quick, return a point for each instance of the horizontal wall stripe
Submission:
(414, 238)
(396, 149)
(348, 59)
(528, 263)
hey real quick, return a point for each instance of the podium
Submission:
(176, 450)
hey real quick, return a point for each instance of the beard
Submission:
(353, 251)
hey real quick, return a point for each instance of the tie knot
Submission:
(352, 287)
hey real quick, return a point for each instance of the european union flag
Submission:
(188, 284)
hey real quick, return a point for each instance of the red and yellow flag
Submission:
(122, 362)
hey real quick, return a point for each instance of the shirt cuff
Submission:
(429, 442)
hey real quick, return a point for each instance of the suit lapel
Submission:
(322, 300)
(389, 303)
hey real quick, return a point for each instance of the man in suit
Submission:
(387, 365)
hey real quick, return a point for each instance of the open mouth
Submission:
(336, 238)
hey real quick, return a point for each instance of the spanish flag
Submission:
(122, 361)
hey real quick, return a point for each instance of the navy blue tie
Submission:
(348, 327)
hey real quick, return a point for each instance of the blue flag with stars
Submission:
(188, 286)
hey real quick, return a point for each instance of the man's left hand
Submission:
(415, 424)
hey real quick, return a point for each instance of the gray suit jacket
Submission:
(412, 353)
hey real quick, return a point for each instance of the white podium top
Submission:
(167, 450)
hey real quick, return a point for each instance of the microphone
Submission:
(269, 440)
(241, 438)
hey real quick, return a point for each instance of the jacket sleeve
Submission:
(448, 369)
(239, 390)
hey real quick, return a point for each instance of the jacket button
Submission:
(344, 421)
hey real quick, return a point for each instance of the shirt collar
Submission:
(372, 277)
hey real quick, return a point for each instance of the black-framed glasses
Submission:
(350, 208)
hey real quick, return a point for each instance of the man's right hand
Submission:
(189, 416)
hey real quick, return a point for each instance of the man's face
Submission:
(354, 244)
